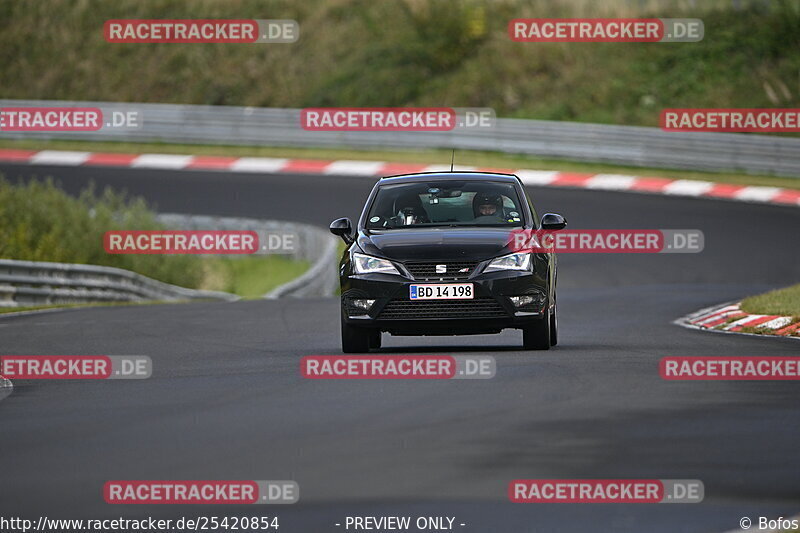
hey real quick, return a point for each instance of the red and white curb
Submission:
(729, 318)
(372, 169)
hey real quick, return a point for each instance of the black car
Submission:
(433, 256)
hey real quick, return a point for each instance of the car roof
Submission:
(449, 176)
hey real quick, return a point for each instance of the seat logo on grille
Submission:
(441, 269)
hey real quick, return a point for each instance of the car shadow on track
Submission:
(445, 348)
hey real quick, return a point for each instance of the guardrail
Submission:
(315, 245)
(319, 280)
(625, 145)
(29, 283)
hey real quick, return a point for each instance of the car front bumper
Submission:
(490, 311)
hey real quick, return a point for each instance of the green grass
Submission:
(40, 222)
(410, 52)
(432, 157)
(251, 277)
(248, 277)
(7, 310)
(784, 302)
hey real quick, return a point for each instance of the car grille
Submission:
(415, 310)
(426, 271)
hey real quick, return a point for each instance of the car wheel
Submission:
(375, 339)
(354, 340)
(554, 324)
(537, 335)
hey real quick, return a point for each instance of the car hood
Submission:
(436, 244)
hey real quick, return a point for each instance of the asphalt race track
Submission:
(226, 400)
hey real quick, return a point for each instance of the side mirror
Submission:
(553, 221)
(341, 227)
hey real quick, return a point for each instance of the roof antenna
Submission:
(452, 159)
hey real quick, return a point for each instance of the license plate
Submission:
(442, 291)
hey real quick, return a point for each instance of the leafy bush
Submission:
(39, 222)
(410, 52)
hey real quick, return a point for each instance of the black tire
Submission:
(537, 335)
(375, 339)
(554, 324)
(354, 340)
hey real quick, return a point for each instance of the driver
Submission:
(487, 205)
(409, 210)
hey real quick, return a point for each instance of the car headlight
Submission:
(517, 261)
(366, 264)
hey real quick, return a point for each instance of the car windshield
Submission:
(445, 203)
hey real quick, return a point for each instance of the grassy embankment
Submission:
(409, 52)
(39, 222)
(783, 302)
(452, 53)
